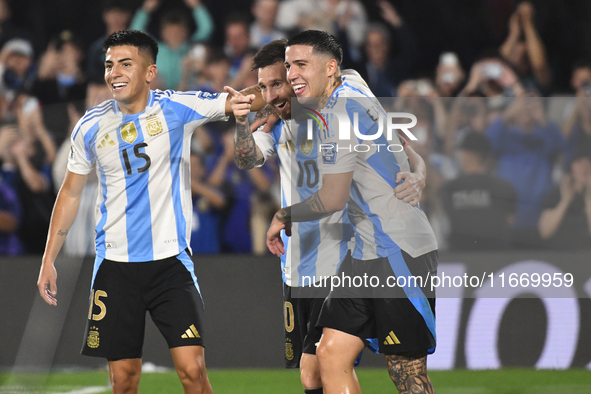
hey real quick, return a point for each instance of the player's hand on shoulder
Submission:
(266, 117)
(240, 103)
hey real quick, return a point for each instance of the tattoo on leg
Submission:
(409, 374)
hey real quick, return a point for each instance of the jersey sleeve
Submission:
(338, 152)
(79, 160)
(266, 144)
(198, 106)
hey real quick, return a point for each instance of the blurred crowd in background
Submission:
(501, 90)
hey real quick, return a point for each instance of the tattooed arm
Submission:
(64, 213)
(246, 152)
(331, 197)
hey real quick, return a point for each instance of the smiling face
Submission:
(309, 73)
(128, 73)
(275, 89)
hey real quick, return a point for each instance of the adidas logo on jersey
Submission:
(191, 333)
(106, 142)
(391, 339)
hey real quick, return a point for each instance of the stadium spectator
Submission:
(175, 36)
(526, 145)
(565, 222)
(466, 114)
(8, 29)
(216, 72)
(60, 81)
(577, 128)
(389, 58)
(490, 76)
(116, 16)
(16, 69)
(236, 232)
(480, 206)
(346, 19)
(525, 51)
(419, 97)
(292, 15)
(208, 202)
(383, 70)
(449, 75)
(193, 67)
(237, 48)
(10, 208)
(263, 30)
(32, 154)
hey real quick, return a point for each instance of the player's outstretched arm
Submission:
(246, 152)
(64, 213)
(414, 182)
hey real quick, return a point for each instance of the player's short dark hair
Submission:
(321, 41)
(270, 54)
(134, 38)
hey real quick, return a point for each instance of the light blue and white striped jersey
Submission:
(144, 207)
(316, 248)
(383, 223)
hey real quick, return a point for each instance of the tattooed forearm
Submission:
(409, 374)
(310, 209)
(284, 215)
(62, 233)
(246, 154)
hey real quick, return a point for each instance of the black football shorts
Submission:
(300, 314)
(402, 318)
(121, 295)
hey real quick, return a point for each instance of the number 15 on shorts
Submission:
(95, 300)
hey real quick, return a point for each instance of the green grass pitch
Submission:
(373, 381)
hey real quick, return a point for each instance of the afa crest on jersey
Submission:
(306, 146)
(153, 126)
(129, 132)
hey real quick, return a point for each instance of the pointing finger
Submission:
(231, 90)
